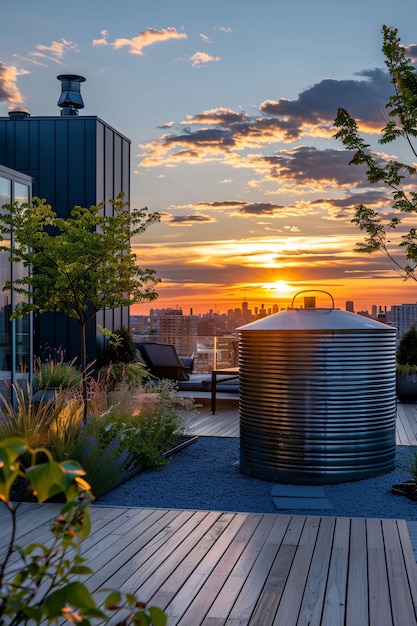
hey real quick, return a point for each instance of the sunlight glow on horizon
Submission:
(279, 287)
(203, 297)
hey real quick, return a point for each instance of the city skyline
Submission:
(321, 301)
(230, 110)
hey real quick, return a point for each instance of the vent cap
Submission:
(70, 99)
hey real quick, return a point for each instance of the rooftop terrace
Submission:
(213, 568)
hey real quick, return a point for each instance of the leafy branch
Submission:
(38, 582)
(394, 174)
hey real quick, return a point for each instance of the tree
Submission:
(79, 265)
(401, 127)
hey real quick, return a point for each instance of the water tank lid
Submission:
(316, 319)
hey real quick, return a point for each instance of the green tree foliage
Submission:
(401, 127)
(120, 347)
(78, 265)
(407, 348)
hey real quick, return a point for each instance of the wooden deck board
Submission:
(334, 607)
(401, 600)
(379, 606)
(357, 602)
(216, 569)
(314, 594)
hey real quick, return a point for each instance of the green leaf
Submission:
(49, 479)
(10, 451)
(74, 594)
(159, 618)
(12, 448)
(113, 599)
(81, 570)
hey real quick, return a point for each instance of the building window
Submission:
(15, 335)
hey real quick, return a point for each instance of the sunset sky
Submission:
(229, 107)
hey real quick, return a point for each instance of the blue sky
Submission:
(229, 106)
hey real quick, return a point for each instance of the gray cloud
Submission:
(190, 219)
(217, 116)
(202, 137)
(367, 197)
(306, 164)
(363, 98)
(245, 208)
(260, 208)
(412, 51)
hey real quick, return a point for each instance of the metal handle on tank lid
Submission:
(312, 304)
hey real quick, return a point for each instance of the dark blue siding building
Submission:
(72, 160)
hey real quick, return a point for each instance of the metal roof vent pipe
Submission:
(70, 100)
(18, 115)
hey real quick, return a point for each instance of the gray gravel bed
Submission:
(205, 476)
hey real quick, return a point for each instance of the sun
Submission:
(280, 286)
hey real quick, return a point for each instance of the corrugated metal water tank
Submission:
(317, 397)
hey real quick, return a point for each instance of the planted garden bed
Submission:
(128, 430)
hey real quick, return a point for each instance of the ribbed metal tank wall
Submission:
(317, 397)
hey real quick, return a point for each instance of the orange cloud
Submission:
(147, 37)
(55, 52)
(9, 91)
(103, 39)
(57, 48)
(202, 58)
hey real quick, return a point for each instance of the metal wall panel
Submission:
(72, 162)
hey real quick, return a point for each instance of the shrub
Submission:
(53, 375)
(146, 437)
(407, 353)
(120, 347)
(65, 430)
(147, 423)
(105, 463)
(407, 348)
(131, 374)
(27, 419)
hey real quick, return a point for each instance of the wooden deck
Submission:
(211, 568)
(208, 568)
(225, 422)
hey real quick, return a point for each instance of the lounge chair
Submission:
(163, 361)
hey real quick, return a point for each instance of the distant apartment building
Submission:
(403, 316)
(350, 306)
(171, 326)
